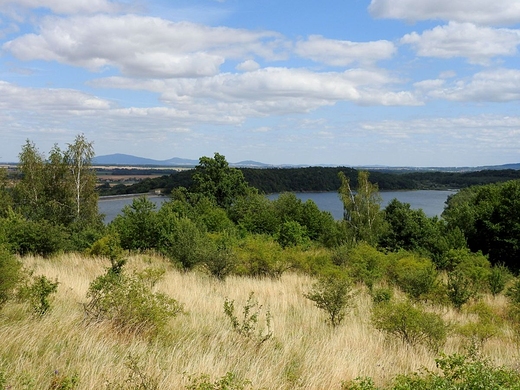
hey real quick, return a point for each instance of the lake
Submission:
(430, 201)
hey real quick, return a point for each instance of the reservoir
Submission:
(430, 201)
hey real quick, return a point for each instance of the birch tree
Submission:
(79, 160)
(361, 209)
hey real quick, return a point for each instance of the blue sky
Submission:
(358, 82)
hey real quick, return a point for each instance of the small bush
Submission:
(228, 382)
(39, 292)
(485, 327)
(411, 324)
(248, 326)
(498, 278)
(293, 234)
(260, 256)
(414, 275)
(460, 288)
(128, 302)
(381, 295)
(63, 382)
(10, 275)
(332, 293)
(137, 378)
(366, 264)
(108, 246)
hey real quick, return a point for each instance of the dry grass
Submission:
(304, 353)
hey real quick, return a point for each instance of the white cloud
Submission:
(68, 6)
(478, 44)
(272, 91)
(141, 46)
(342, 53)
(500, 85)
(13, 97)
(248, 66)
(486, 12)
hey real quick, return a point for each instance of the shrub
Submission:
(127, 301)
(460, 288)
(137, 378)
(486, 326)
(411, 324)
(366, 264)
(292, 234)
(10, 275)
(63, 382)
(498, 278)
(228, 382)
(332, 293)
(381, 295)
(247, 327)
(39, 292)
(416, 276)
(262, 257)
(108, 246)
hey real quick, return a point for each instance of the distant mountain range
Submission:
(127, 159)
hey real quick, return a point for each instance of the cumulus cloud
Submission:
(342, 53)
(478, 44)
(68, 6)
(141, 46)
(502, 85)
(273, 90)
(248, 66)
(13, 97)
(486, 12)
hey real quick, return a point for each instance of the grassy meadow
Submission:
(304, 352)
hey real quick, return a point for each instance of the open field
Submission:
(303, 353)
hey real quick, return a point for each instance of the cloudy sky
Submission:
(342, 82)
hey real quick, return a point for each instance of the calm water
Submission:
(431, 202)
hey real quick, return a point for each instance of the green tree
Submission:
(489, 217)
(362, 214)
(30, 188)
(215, 179)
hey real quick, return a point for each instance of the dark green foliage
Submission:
(489, 217)
(214, 179)
(128, 302)
(10, 275)
(460, 288)
(25, 236)
(220, 259)
(247, 326)
(138, 226)
(412, 230)
(254, 213)
(292, 234)
(228, 382)
(410, 323)
(332, 293)
(498, 278)
(186, 244)
(381, 295)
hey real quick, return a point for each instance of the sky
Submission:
(339, 82)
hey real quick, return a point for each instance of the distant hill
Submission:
(127, 159)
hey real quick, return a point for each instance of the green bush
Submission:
(486, 326)
(292, 234)
(381, 295)
(127, 301)
(10, 275)
(260, 256)
(366, 264)
(332, 293)
(108, 246)
(38, 293)
(220, 259)
(411, 324)
(498, 278)
(460, 288)
(416, 276)
(228, 382)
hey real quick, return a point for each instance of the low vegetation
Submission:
(222, 288)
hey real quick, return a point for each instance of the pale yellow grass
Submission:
(304, 352)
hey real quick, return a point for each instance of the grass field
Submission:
(303, 352)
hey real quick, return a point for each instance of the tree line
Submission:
(324, 179)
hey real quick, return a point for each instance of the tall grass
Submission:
(304, 352)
